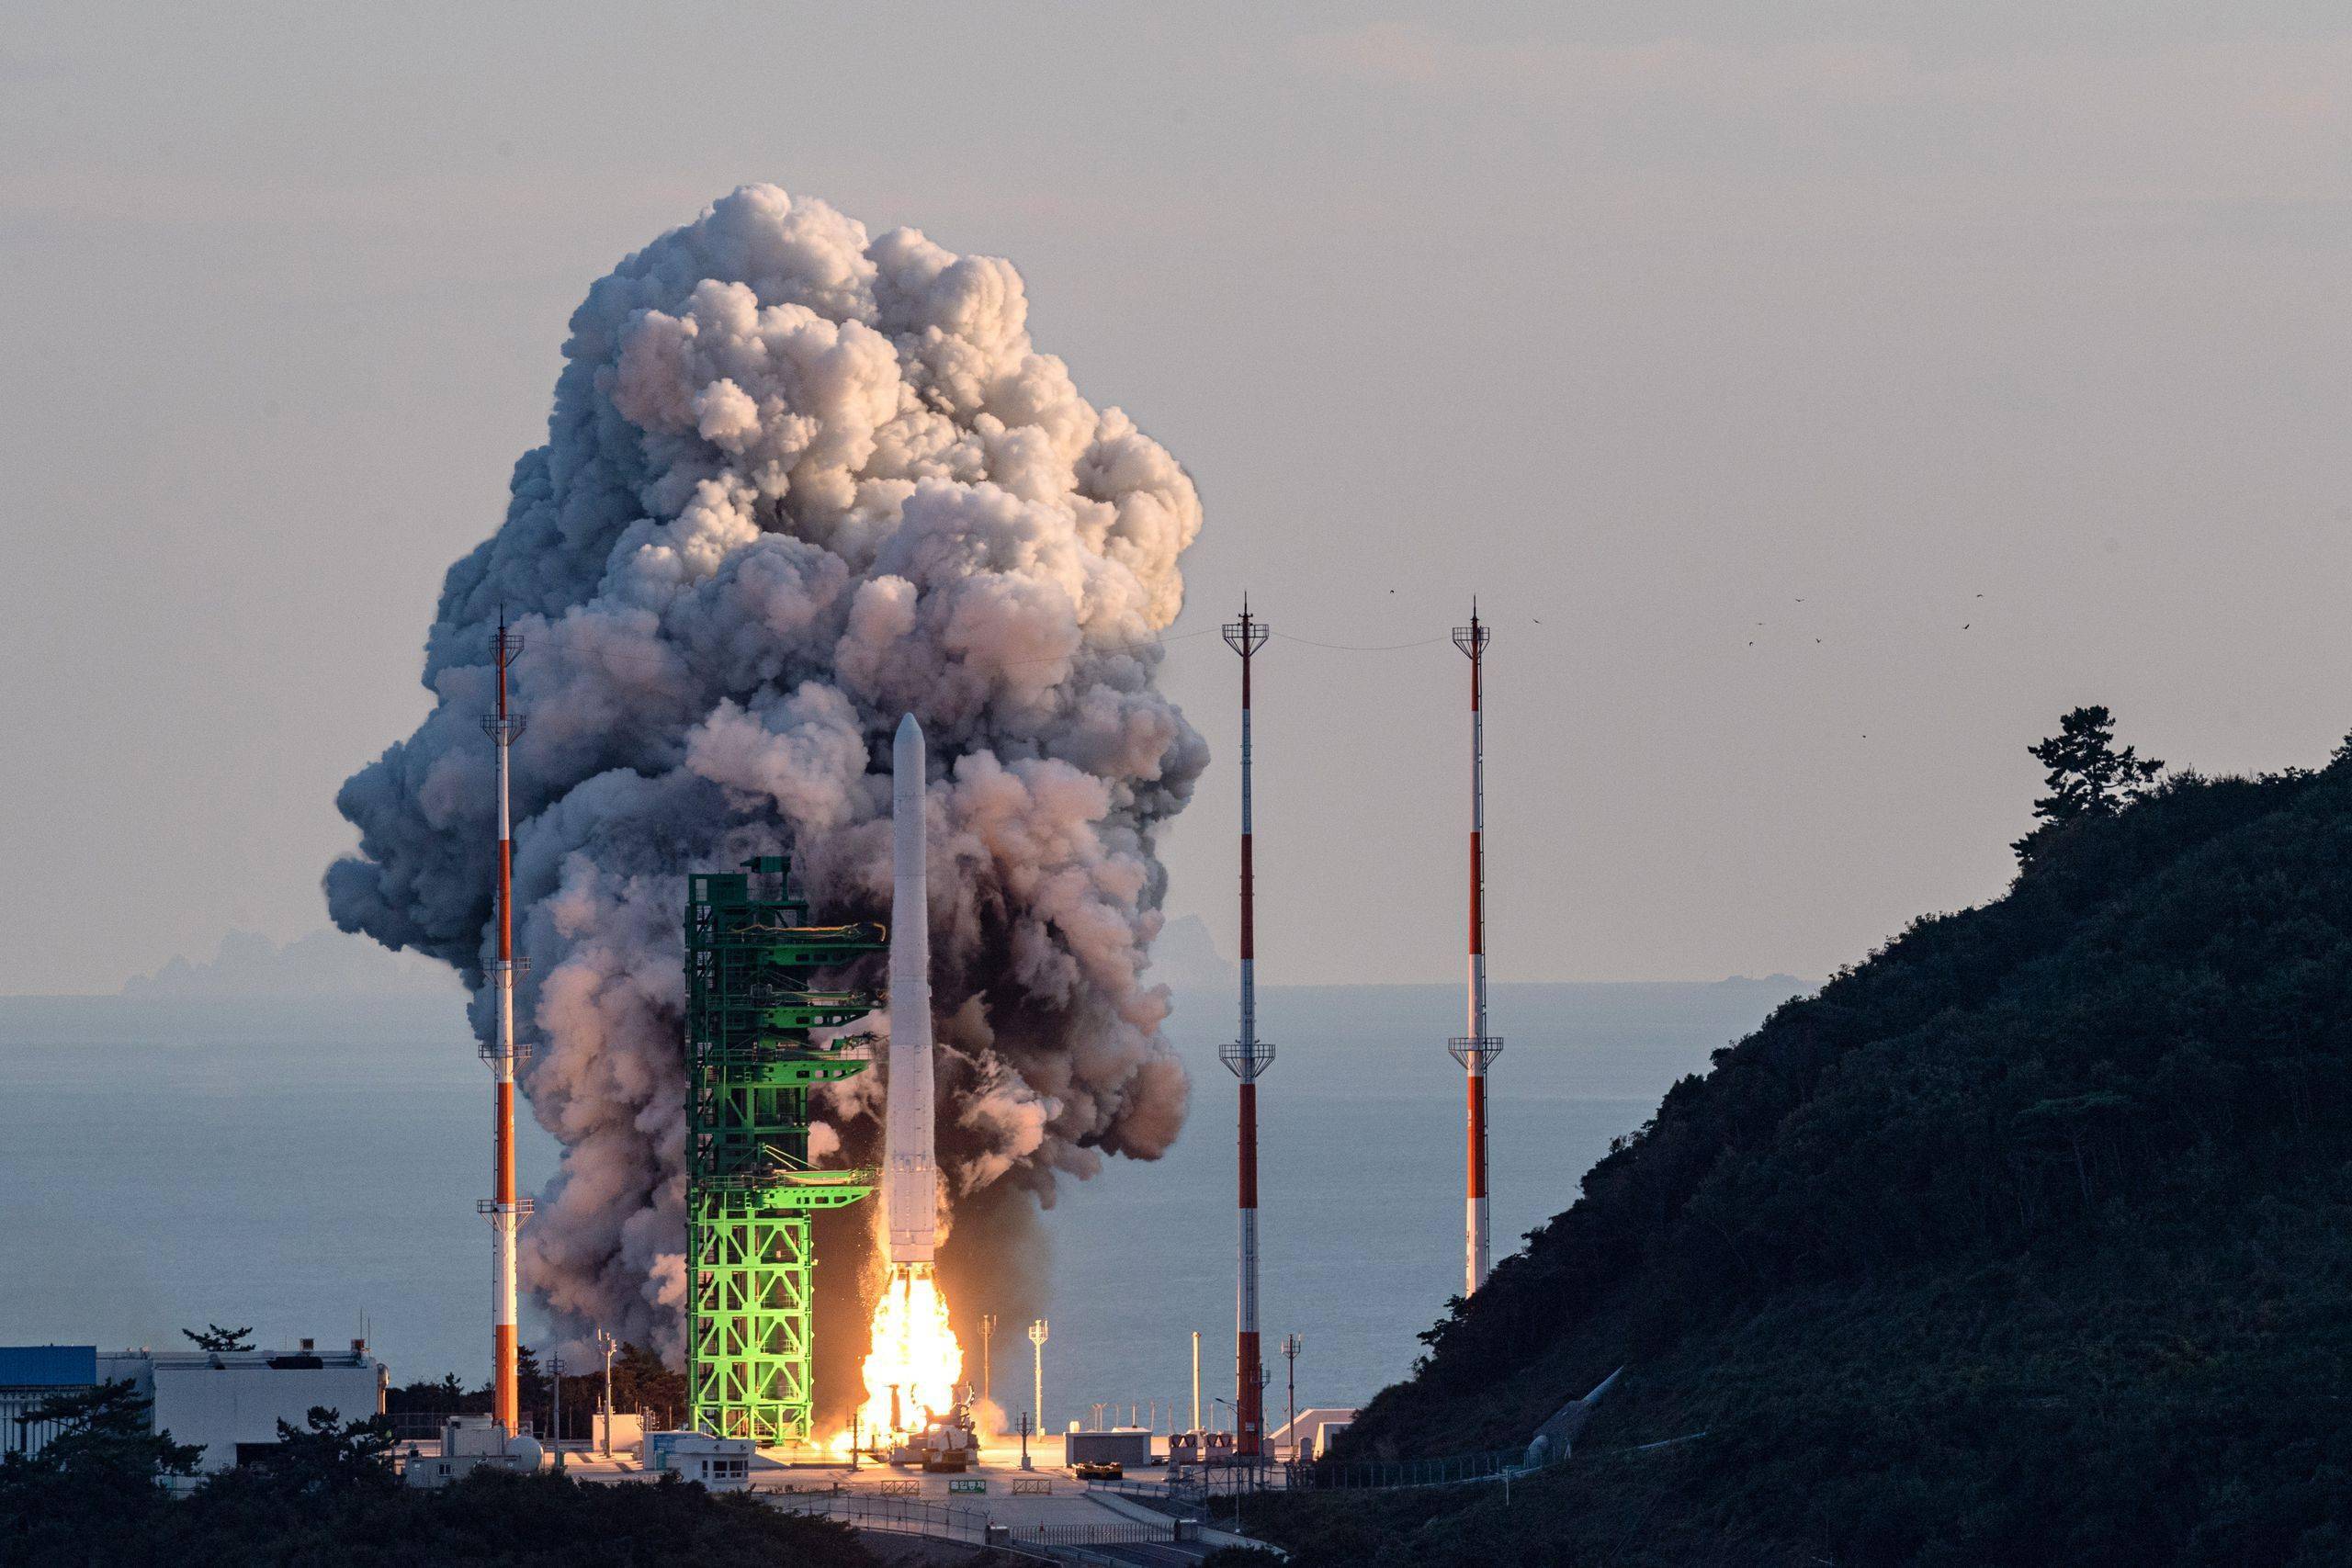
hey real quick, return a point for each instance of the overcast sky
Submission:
(1819, 400)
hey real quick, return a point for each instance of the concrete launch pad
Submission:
(1046, 1504)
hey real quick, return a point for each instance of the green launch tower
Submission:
(752, 957)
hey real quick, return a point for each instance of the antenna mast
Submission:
(1248, 1056)
(504, 1208)
(1477, 1048)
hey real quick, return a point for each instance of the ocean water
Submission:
(307, 1167)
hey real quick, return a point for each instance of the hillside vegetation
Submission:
(2027, 1240)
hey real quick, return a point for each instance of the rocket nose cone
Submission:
(907, 760)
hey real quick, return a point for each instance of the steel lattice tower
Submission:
(752, 1010)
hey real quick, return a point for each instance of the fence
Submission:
(903, 1516)
(938, 1521)
(1180, 1498)
(1135, 1534)
(1366, 1475)
(1197, 1481)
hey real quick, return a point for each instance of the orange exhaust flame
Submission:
(915, 1369)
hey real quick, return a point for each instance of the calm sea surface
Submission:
(295, 1165)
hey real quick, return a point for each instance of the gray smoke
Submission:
(798, 481)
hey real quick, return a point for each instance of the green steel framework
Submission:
(752, 958)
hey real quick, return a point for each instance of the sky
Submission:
(1819, 400)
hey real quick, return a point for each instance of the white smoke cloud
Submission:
(797, 482)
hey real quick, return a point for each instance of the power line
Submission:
(1111, 648)
(1353, 648)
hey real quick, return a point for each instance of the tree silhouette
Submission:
(212, 1337)
(2088, 777)
(105, 1433)
(330, 1454)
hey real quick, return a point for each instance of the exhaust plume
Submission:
(799, 482)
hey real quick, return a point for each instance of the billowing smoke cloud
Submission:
(797, 482)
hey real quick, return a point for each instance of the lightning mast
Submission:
(1477, 1048)
(1248, 1056)
(503, 1208)
(1038, 1334)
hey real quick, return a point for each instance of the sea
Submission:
(310, 1167)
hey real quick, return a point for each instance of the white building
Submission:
(469, 1443)
(230, 1402)
(1313, 1431)
(722, 1464)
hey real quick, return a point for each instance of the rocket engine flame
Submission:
(799, 480)
(915, 1369)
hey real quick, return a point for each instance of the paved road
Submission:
(1172, 1555)
(1068, 1503)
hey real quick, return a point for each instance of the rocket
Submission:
(911, 1169)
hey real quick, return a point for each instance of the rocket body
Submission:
(911, 1167)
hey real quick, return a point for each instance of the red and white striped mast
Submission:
(1248, 1056)
(504, 1208)
(1477, 1048)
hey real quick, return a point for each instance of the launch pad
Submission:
(751, 1057)
(754, 1017)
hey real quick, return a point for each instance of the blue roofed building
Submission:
(30, 1373)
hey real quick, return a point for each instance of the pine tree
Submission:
(106, 1434)
(2088, 777)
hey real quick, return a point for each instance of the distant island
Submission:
(256, 993)
(324, 963)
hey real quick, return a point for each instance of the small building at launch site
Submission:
(722, 1464)
(753, 1011)
(1128, 1447)
(469, 1443)
(1308, 1434)
(230, 1402)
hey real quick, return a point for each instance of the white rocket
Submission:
(911, 1169)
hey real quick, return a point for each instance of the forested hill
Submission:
(2027, 1240)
